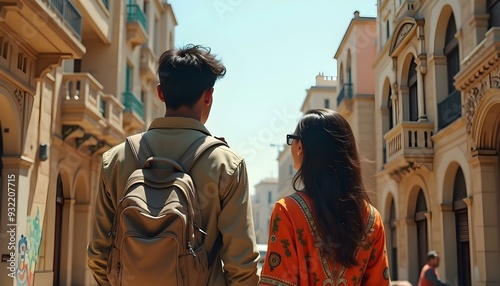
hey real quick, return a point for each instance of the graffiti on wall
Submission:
(28, 248)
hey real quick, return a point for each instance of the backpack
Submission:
(156, 234)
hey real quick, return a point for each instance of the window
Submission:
(270, 197)
(493, 7)
(22, 62)
(327, 103)
(5, 49)
(58, 230)
(4, 46)
(388, 29)
(394, 242)
(128, 78)
(421, 222)
(77, 65)
(389, 110)
(413, 91)
(451, 52)
(462, 229)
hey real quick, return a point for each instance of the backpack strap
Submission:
(196, 149)
(142, 152)
(187, 161)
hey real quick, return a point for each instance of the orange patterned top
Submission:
(293, 257)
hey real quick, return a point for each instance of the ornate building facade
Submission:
(76, 76)
(437, 119)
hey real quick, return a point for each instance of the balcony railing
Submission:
(135, 14)
(133, 104)
(345, 92)
(82, 100)
(149, 63)
(449, 109)
(411, 140)
(113, 111)
(106, 3)
(70, 14)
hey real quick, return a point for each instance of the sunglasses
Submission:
(290, 138)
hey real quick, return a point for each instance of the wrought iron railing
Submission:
(133, 104)
(450, 109)
(70, 14)
(345, 92)
(135, 14)
(106, 3)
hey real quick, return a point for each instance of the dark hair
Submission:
(331, 177)
(186, 73)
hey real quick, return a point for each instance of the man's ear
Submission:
(208, 96)
(160, 93)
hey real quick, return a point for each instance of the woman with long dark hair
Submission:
(327, 233)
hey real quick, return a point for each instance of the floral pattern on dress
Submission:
(294, 238)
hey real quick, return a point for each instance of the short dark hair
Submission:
(186, 73)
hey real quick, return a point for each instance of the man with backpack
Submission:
(173, 206)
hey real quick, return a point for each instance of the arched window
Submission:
(421, 222)
(450, 109)
(412, 91)
(493, 8)
(451, 53)
(462, 229)
(389, 109)
(341, 75)
(394, 242)
(348, 67)
(58, 231)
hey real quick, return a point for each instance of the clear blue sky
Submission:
(272, 50)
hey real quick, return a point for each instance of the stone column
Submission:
(421, 71)
(484, 215)
(395, 107)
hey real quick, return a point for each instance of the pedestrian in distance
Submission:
(173, 206)
(327, 232)
(429, 275)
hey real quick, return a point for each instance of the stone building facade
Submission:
(437, 126)
(76, 76)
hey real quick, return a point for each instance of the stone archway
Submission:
(484, 124)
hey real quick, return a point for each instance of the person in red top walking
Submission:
(429, 275)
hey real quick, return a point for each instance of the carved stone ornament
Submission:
(19, 96)
(403, 32)
(473, 97)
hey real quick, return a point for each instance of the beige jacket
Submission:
(220, 177)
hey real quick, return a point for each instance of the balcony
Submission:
(51, 29)
(81, 94)
(136, 25)
(149, 64)
(70, 14)
(409, 143)
(96, 19)
(450, 109)
(345, 93)
(113, 114)
(133, 118)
